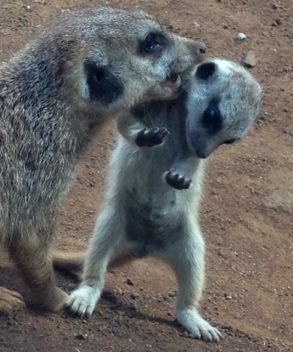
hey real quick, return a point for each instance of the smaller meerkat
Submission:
(146, 214)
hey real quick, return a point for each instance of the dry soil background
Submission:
(246, 214)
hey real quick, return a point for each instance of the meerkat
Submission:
(55, 94)
(151, 206)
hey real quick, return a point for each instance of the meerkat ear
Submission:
(104, 87)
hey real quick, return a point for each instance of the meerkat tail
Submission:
(73, 262)
(65, 261)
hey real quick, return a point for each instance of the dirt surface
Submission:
(246, 213)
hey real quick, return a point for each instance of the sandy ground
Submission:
(246, 214)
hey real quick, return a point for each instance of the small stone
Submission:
(129, 282)
(277, 22)
(166, 298)
(228, 297)
(249, 59)
(134, 296)
(241, 37)
(80, 336)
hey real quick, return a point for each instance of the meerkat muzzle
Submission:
(173, 83)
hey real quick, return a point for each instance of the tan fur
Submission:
(55, 94)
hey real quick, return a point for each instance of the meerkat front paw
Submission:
(192, 321)
(83, 300)
(176, 180)
(151, 137)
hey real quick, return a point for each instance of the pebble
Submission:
(134, 295)
(241, 37)
(249, 59)
(80, 336)
(277, 22)
(129, 282)
(228, 297)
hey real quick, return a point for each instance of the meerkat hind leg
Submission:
(84, 299)
(33, 258)
(187, 259)
(10, 301)
(200, 328)
(104, 248)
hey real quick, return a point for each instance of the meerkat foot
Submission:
(83, 300)
(10, 301)
(52, 300)
(176, 180)
(57, 301)
(192, 321)
(151, 137)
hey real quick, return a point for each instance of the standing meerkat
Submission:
(55, 94)
(146, 214)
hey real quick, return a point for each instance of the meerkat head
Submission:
(223, 101)
(126, 57)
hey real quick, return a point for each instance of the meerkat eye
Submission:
(153, 43)
(230, 141)
(205, 70)
(212, 118)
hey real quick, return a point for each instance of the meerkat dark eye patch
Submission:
(104, 87)
(205, 70)
(153, 43)
(212, 119)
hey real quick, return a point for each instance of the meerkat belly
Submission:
(151, 222)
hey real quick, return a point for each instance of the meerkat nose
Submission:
(200, 48)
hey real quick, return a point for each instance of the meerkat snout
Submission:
(201, 48)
